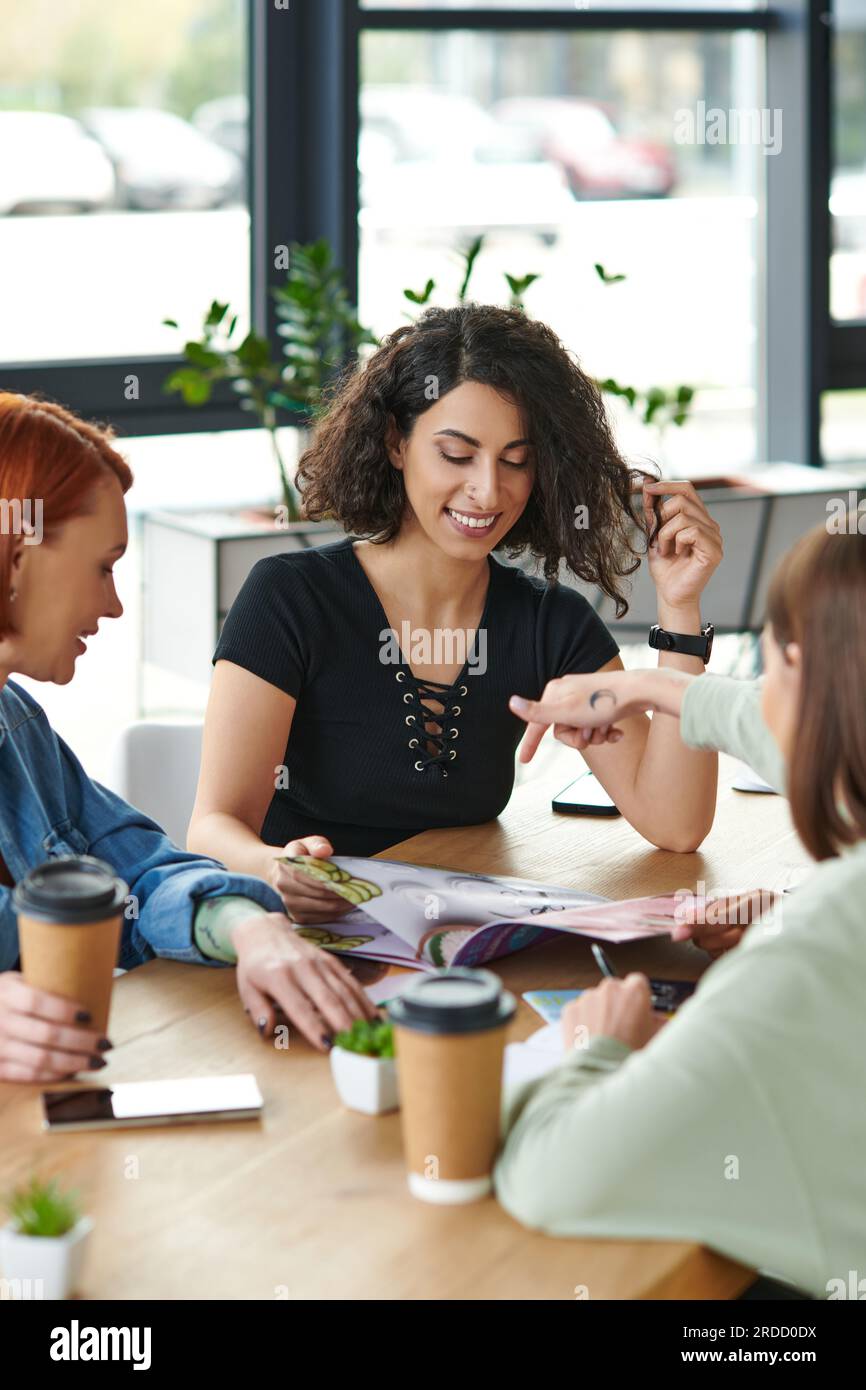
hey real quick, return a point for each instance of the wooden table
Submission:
(312, 1201)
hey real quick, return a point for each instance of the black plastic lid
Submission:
(69, 890)
(457, 1000)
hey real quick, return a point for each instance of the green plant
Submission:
(657, 405)
(320, 330)
(372, 1038)
(318, 324)
(517, 284)
(41, 1209)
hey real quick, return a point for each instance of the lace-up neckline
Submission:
(431, 734)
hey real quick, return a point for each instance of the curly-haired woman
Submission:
(360, 692)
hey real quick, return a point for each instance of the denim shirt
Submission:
(49, 807)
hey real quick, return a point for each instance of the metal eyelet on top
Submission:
(400, 676)
(455, 733)
(453, 754)
(413, 743)
(407, 698)
(419, 766)
(455, 709)
(464, 690)
(410, 719)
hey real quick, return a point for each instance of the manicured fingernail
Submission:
(518, 704)
(105, 1045)
(262, 1025)
(96, 1062)
(83, 1016)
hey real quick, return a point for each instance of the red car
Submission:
(580, 137)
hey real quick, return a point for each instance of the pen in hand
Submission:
(602, 961)
(607, 969)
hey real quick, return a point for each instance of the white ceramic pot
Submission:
(42, 1266)
(368, 1084)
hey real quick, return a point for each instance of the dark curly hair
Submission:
(347, 474)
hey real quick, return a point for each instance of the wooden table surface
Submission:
(311, 1202)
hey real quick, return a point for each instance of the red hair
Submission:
(47, 454)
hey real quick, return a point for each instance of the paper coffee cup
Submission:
(449, 1032)
(70, 913)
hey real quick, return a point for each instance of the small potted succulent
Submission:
(42, 1246)
(364, 1069)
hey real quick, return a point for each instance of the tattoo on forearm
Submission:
(216, 944)
(601, 695)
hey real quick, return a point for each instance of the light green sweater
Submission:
(742, 1125)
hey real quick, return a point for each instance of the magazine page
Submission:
(424, 918)
(423, 906)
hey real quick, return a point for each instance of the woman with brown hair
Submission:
(740, 1123)
(62, 531)
(361, 688)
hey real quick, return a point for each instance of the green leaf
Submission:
(519, 284)
(201, 356)
(194, 386)
(171, 323)
(215, 314)
(254, 352)
(422, 296)
(656, 398)
(470, 256)
(605, 277)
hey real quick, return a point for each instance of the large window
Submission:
(156, 156)
(123, 174)
(848, 188)
(568, 151)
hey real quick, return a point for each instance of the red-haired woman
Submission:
(741, 1122)
(62, 530)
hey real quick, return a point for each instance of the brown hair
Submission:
(48, 454)
(817, 598)
(347, 474)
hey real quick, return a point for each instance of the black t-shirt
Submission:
(310, 623)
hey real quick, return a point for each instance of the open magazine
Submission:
(409, 916)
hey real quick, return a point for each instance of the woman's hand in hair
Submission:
(42, 1036)
(685, 542)
(618, 1009)
(307, 902)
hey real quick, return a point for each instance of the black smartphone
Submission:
(666, 996)
(199, 1099)
(584, 797)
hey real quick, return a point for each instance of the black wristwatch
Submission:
(686, 643)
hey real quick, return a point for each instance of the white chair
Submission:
(155, 768)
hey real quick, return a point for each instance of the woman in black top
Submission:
(361, 688)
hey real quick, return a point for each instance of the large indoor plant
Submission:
(320, 331)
